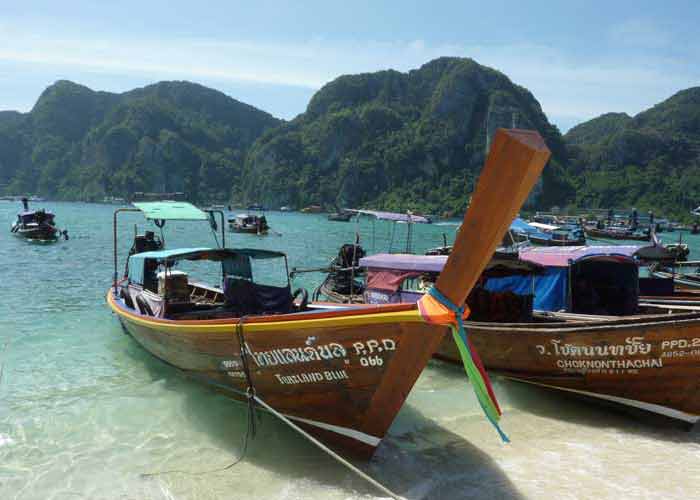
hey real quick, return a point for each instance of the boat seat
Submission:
(247, 298)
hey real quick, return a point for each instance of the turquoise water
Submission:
(84, 412)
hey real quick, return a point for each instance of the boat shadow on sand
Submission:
(586, 411)
(420, 460)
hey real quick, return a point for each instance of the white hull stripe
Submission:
(351, 433)
(654, 408)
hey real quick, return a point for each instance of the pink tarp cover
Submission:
(389, 281)
(560, 256)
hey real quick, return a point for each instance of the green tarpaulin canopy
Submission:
(171, 210)
(235, 261)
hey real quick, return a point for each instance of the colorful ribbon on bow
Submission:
(436, 308)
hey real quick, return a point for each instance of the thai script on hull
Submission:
(294, 355)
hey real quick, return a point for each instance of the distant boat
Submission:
(256, 206)
(617, 233)
(113, 200)
(311, 209)
(36, 225)
(405, 218)
(249, 224)
(542, 234)
(285, 209)
(340, 216)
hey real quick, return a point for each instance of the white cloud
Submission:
(568, 89)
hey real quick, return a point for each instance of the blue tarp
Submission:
(520, 226)
(550, 288)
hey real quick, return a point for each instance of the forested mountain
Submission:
(651, 160)
(172, 136)
(399, 141)
(389, 140)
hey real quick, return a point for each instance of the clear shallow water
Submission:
(84, 412)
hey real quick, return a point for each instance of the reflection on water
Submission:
(84, 412)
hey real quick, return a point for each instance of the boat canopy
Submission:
(235, 262)
(405, 262)
(35, 215)
(387, 271)
(564, 256)
(582, 279)
(520, 226)
(34, 212)
(544, 227)
(435, 263)
(391, 216)
(170, 210)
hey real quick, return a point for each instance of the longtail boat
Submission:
(617, 233)
(249, 224)
(36, 225)
(685, 275)
(608, 343)
(341, 374)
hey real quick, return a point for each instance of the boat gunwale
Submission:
(380, 313)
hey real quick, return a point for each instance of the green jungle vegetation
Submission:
(384, 140)
(77, 144)
(649, 161)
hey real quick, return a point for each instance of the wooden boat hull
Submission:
(556, 243)
(341, 375)
(614, 235)
(682, 282)
(652, 363)
(340, 217)
(40, 233)
(247, 230)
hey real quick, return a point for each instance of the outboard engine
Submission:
(146, 242)
(349, 255)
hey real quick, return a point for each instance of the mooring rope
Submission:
(325, 448)
(251, 428)
(250, 390)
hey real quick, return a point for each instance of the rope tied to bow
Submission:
(250, 390)
(436, 308)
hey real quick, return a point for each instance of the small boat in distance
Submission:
(342, 216)
(557, 236)
(248, 224)
(311, 209)
(37, 225)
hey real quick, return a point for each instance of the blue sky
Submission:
(580, 59)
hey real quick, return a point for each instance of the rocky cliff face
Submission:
(401, 141)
